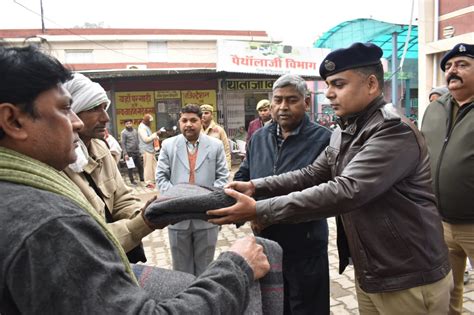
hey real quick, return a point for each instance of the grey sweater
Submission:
(129, 141)
(55, 259)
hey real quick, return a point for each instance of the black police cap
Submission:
(458, 50)
(355, 56)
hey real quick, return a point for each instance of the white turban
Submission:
(85, 93)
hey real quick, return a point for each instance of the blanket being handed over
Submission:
(186, 201)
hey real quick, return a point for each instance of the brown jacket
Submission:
(216, 131)
(375, 174)
(128, 226)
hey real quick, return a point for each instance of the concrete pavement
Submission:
(343, 299)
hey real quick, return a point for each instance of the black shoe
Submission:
(134, 183)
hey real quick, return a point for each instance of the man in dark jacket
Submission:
(291, 142)
(129, 139)
(448, 129)
(375, 175)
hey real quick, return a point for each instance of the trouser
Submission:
(137, 159)
(429, 299)
(460, 241)
(149, 167)
(192, 250)
(306, 284)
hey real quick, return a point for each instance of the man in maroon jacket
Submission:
(264, 117)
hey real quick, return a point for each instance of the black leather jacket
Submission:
(375, 174)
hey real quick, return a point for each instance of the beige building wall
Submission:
(134, 49)
(104, 51)
(436, 19)
(120, 51)
(192, 51)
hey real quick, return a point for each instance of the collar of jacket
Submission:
(272, 127)
(264, 123)
(97, 151)
(209, 128)
(350, 124)
(447, 101)
(181, 140)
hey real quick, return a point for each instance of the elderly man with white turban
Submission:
(95, 172)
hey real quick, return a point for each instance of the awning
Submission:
(374, 31)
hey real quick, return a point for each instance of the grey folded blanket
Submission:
(265, 295)
(186, 201)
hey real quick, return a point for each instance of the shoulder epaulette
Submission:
(390, 112)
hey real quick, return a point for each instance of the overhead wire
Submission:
(81, 36)
(102, 45)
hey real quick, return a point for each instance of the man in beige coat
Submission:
(212, 129)
(146, 140)
(96, 173)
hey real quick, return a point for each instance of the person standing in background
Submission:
(146, 144)
(211, 128)
(437, 92)
(264, 117)
(192, 157)
(129, 139)
(241, 134)
(114, 146)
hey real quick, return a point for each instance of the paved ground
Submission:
(343, 300)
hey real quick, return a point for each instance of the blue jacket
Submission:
(297, 151)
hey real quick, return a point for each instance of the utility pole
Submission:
(42, 17)
(394, 69)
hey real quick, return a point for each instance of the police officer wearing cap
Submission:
(375, 177)
(264, 117)
(210, 128)
(448, 128)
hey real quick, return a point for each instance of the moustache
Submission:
(453, 76)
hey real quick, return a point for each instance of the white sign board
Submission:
(268, 58)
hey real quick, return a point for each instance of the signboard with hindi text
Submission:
(134, 105)
(200, 97)
(248, 85)
(268, 58)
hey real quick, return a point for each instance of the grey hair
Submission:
(292, 80)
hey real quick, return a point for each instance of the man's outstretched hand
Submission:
(246, 188)
(243, 210)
